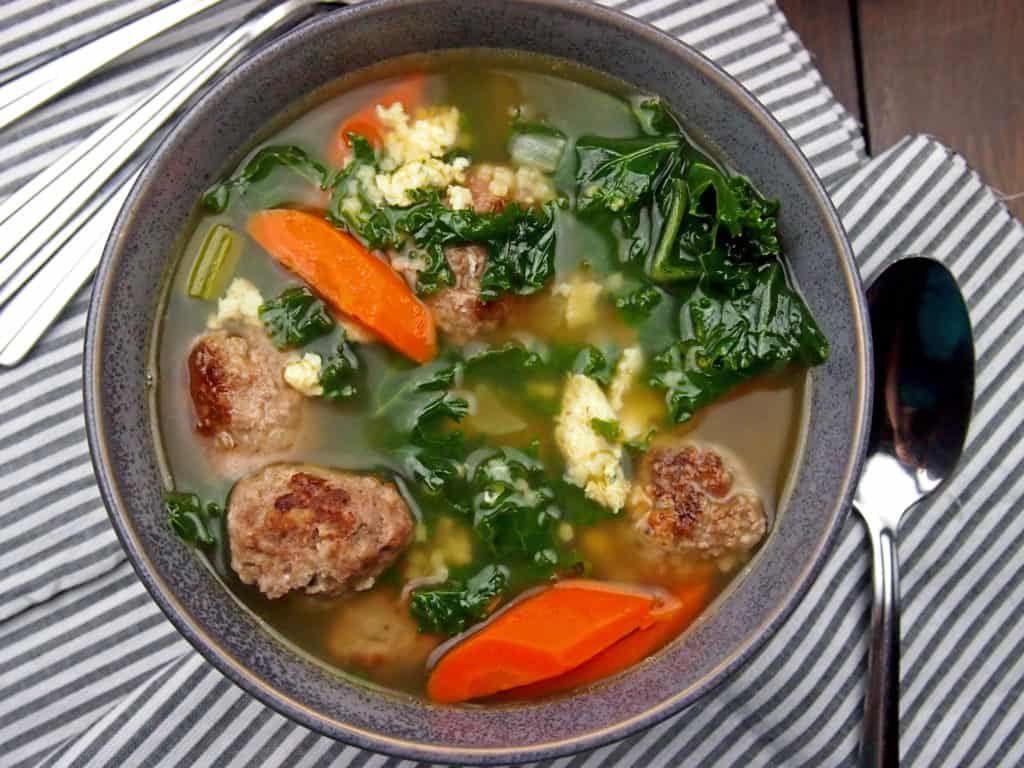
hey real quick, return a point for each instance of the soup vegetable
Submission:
(481, 382)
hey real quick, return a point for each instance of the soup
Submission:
(482, 380)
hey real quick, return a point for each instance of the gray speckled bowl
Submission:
(203, 146)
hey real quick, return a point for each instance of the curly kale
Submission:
(192, 521)
(732, 338)
(339, 372)
(295, 318)
(259, 168)
(459, 603)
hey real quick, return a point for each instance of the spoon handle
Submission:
(879, 746)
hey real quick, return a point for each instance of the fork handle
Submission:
(25, 318)
(21, 95)
(36, 216)
(879, 746)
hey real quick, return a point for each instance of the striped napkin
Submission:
(91, 673)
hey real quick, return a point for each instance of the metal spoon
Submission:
(924, 389)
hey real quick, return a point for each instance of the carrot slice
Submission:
(350, 278)
(541, 637)
(634, 647)
(408, 93)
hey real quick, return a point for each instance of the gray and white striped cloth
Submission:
(92, 674)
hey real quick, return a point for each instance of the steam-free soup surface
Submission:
(480, 442)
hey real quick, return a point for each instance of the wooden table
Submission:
(950, 68)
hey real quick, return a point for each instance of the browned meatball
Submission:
(684, 501)
(241, 399)
(325, 531)
(458, 310)
(374, 633)
(478, 181)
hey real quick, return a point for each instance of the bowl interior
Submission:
(146, 239)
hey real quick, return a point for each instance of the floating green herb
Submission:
(262, 164)
(455, 605)
(609, 430)
(295, 318)
(339, 372)
(732, 338)
(190, 520)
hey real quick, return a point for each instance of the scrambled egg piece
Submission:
(500, 179)
(303, 374)
(533, 186)
(592, 462)
(412, 157)
(241, 301)
(580, 301)
(431, 134)
(419, 174)
(366, 179)
(527, 185)
(459, 198)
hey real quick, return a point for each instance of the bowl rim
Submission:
(209, 647)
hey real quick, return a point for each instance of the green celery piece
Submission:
(215, 262)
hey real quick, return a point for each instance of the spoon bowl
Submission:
(924, 390)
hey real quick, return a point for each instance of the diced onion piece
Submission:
(215, 263)
(540, 150)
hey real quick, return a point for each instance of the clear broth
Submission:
(760, 424)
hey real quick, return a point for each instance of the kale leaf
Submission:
(598, 365)
(522, 261)
(353, 207)
(455, 605)
(512, 507)
(507, 363)
(433, 272)
(403, 396)
(723, 231)
(443, 406)
(712, 241)
(730, 338)
(339, 371)
(520, 243)
(635, 307)
(261, 165)
(190, 520)
(618, 175)
(513, 362)
(653, 117)
(435, 460)
(609, 430)
(415, 406)
(520, 240)
(295, 318)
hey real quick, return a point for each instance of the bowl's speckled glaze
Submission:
(205, 144)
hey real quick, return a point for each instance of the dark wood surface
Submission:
(826, 30)
(950, 68)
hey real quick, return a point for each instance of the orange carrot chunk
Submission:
(408, 93)
(348, 277)
(633, 648)
(541, 637)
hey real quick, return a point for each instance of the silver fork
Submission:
(23, 94)
(42, 225)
